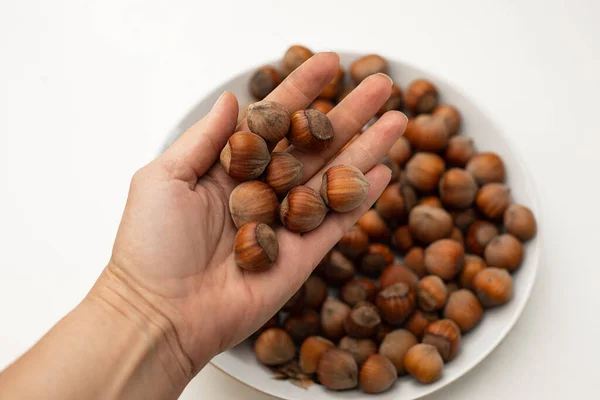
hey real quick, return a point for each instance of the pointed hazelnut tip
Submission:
(225, 157)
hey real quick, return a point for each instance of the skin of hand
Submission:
(172, 273)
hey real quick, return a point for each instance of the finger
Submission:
(347, 119)
(303, 85)
(199, 147)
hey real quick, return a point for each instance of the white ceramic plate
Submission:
(240, 362)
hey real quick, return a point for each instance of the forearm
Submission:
(113, 345)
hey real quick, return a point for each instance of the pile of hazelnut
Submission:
(362, 318)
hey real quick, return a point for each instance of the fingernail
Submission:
(390, 79)
(218, 100)
(405, 117)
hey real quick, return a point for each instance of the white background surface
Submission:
(89, 89)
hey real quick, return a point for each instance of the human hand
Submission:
(172, 257)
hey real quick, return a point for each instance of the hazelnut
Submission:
(333, 88)
(394, 347)
(421, 96)
(394, 102)
(339, 269)
(402, 239)
(344, 188)
(245, 156)
(302, 210)
(401, 151)
(320, 268)
(302, 325)
(444, 258)
(375, 226)
(359, 348)
(504, 251)
(486, 168)
(479, 235)
(362, 320)
(296, 302)
(354, 242)
(310, 130)
(268, 119)
(377, 257)
(396, 201)
(333, 315)
(263, 81)
(445, 336)
(520, 222)
(282, 145)
(357, 290)
(322, 105)
(294, 57)
(457, 236)
(427, 133)
(398, 273)
(396, 302)
(457, 188)
(493, 199)
(273, 322)
(394, 168)
(255, 247)
(283, 173)
(382, 330)
(428, 224)
(464, 218)
(337, 370)
(415, 260)
(424, 170)
(274, 347)
(472, 265)
(377, 374)
(459, 151)
(367, 65)
(253, 201)
(494, 286)
(424, 363)
(431, 293)
(464, 309)
(451, 117)
(431, 201)
(418, 321)
(311, 351)
(316, 292)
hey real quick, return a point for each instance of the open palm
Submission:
(174, 245)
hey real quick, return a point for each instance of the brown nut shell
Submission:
(428, 224)
(424, 170)
(494, 286)
(445, 336)
(464, 218)
(451, 117)
(396, 201)
(334, 87)
(310, 130)
(322, 105)
(396, 302)
(427, 133)
(311, 351)
(333, 316)
(504, 251)
(358, 290)
(338, 269)
(520, 222)
(415, 260)
(480, 233)
(367, 65)
(245, 156)
(268, 119)
(294, 56)
(394, 102)
(402, 239)
(464, 309)
(395, 345)
(344, 188)
(354, 242)
(472, 265)
(253, 201)
(359, 348)
(283, 173)
(493, 199)
(424, 362)
(398, 273)
(263, 81)
(377, 257)
(459, 151)
(421, 96)
(274, 347)
(444, 258)
(337, 370)
(431, 293)
(418, 321)
(302, 210)
(487, 167)
(255, 247)
(316, 292)
(362, 320)
(457, 188)
(377, 374)
(302, 325)
(374, 226)
(401, 151)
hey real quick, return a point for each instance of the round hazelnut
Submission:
(302, 325)
(344, 188)
(423, 361)
(311, 351)
(479, 235)
(444, 258)
(274, 347)
(418, 321)
(427, 133)
(395, 345)
(401, 151)
(520, 222)
(268, 119)
(302, 210)
(377, 257)
(457, 188)
(263, 81)
(367, 65)
(396, 302)
(333, 88)
(283, 173)
(398, 273)
(494, 286)
(428, 224)
(421, 96)
(362, 320)
(253, 201)
(281, 146)
(320, 268)
(359, 348)
(396, 201)
(316, 292)
(333, 315)
(245, 156)
(394, 102)
(486, 168)
(310, 130)
(451, 117)
(415, 260)
(493, 199)
(402, 239)
(358, 290)
(255, 247)
(472, 265)
(457, 236)
(464, 309)
(377, 374)
(374, 226)
(445, 336)
(431, 201)
(296, 302)
(459, 151)
(424, 170)
(431, 293)
(339, 269)
(294, 57)
(337, 370)
(504, 251)
(464, 218)
(354, 242)
(322, 105)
